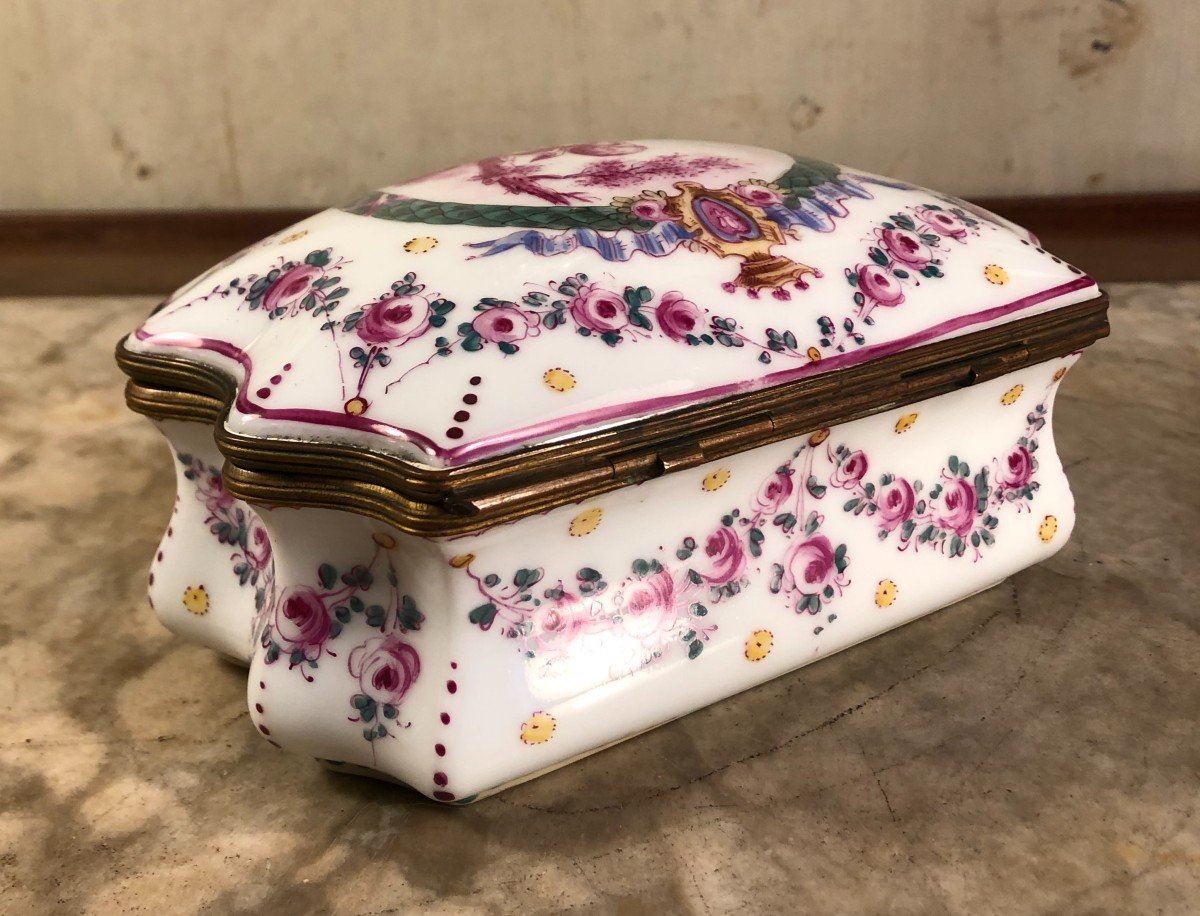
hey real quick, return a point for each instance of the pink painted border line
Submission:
(249, 408)
(492, 445)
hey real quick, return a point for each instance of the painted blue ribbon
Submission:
(615, 246)
(817, 212)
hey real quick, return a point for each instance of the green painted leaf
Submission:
(327, 575)
(483, 615)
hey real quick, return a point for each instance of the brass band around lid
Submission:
(445, 502)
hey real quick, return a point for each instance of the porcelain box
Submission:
(489, 470)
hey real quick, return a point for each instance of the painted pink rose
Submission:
(895, 504)
(774, 490)
(598, 309)
(849, 472)
(556, 626)
(943, 222)
(726, 557)
(879, 286)
(958, 507)
(290, 287)
(678, 317)
(906, 247)
(809, 565)
(1018, 468)
(758, 195)
(393, 320)
(386, 668)
(648, 606)
(505, 324)
(301, 621)
(650, 209)
(258, 546)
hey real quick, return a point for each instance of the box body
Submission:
(461, 665)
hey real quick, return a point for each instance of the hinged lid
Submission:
(615, 310)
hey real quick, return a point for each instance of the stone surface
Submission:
(1032, 749)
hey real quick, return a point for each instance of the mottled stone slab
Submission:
(1030, 749)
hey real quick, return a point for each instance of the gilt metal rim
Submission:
(447, 502)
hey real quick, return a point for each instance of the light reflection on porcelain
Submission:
(675, 273)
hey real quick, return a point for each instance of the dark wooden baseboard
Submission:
(1114, 238)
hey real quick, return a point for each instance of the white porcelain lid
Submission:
(541, 294)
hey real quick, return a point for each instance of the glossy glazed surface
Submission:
(460, 666)
(532, 296)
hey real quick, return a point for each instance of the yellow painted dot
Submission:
(462, 560)
(714, 480)
(420, 244)
(356, 406)
(557, 379)
(586, 522)
(195, 600)
(384, 540)
(818, 437)
(1059, 373)
(1010, 396)
(995, 274)
(538, 728)
(905, 423)
(293, 237)
(814, 354)
(885, 593)
(1047, 529)
(758, 646)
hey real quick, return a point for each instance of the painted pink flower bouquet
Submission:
(664, 600)
(958, 510)
(906, 248)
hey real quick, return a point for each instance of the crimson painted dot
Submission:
(258, 707)
(451, 686)
(151, 578)
(263, 392)
(470, 399)
(445, 718)
(170, 531)
(443, 796)
(276, 379)
(440, 779)
(454, 665)
(262, 685)
(287, 367)
(454, 433)
(440, 750)
(264, 730)
(159, 556)
(475, 380)
(462, 416)
(275, 743)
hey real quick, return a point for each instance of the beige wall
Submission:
(225, 103)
